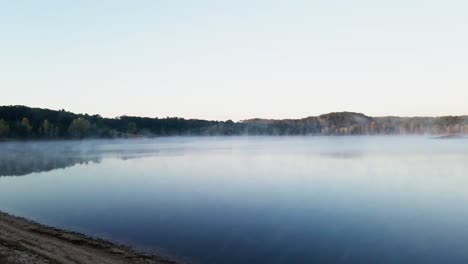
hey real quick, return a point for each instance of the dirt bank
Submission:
(26, 242)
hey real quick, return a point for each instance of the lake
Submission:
(251, 199)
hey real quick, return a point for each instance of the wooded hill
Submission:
(21, 122)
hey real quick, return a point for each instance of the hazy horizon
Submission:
(236, 60)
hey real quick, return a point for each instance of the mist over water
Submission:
(251, 199)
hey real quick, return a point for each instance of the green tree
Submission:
(25, 127)
(4, 128)
(79, 128)
(45, 128)
(25, 123)
(131, 128)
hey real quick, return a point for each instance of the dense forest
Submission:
(21, 122)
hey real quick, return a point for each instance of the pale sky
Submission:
(240, 59)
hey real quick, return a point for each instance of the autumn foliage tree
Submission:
(79, 128)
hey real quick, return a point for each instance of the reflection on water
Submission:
(252, 200)
(23, 158)
(18, 159)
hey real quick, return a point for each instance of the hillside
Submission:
(22, 122)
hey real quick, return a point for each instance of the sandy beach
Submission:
(25, 242)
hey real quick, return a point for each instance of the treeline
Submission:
(347, 123)
(21, 122)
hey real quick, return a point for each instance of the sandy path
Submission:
(25, 242)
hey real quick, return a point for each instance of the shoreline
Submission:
(23, 241)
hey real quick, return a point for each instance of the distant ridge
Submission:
(22, 122)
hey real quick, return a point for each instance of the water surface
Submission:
(252, 199)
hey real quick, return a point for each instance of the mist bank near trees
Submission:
(21, 122)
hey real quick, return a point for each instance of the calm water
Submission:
(252, 200)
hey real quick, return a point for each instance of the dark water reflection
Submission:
(252, 200)
(18, 159)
